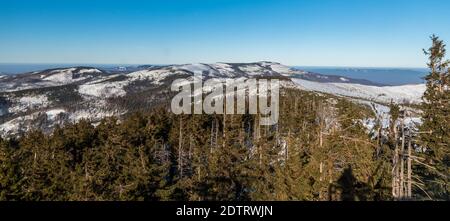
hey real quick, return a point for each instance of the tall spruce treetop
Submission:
(436, 113)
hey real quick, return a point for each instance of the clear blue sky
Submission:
(369, 33)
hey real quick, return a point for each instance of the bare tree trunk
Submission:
(320, 179)
(257, 136)
(409, 170)
(190, 147)
(242, 134)
(224, 130)
(395, 168)
(402, 163)
(379, 140)
(320, 138)
(180, 143)
(212, 136)
(321, 171)
(217, 132)
(288, 143)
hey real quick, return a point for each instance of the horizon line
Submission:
(139, 64)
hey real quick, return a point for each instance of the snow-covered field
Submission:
(386, 94)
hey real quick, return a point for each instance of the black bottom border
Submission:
(224, 210)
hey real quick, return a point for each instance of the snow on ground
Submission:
(386, 94)
(89, 71)
(107, 89)
(374, 97)
(92, 114)
(9, 126)
(11, 87)
(61, 76)
(65, 76)
(27, 122)
(224, 69)
(15, 125)
(104, 90)
(279, 68)
(196, 68)
(28, 102)
(48, 79)
(153, 75)
(343, 79)
(382, 115)
(52, 114)
(32, 100)
(252, 69)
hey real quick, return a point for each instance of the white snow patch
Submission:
(155, 75)
(28, 102)
(92, 114)
(89, 71)
(224, 69)
(281, 69)
(104, 90)
(343, 79)
(52, 114)
(8, 126)
(17, 124)
(65, 76)
(252, 70)
(61, 76)
(32, 100)
(195, 68)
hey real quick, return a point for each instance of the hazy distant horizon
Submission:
(19, 68)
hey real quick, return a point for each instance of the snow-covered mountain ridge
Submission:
(41, 100)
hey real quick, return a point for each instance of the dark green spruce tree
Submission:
(435, 129)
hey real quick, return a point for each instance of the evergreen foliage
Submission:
(319, 150)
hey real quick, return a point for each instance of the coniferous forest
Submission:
(320, 150)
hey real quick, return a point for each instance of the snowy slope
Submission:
(48, 78)
(22, 104)
(70, 75)
(384, 94)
